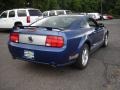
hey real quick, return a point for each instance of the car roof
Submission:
(22, 9)
(93, 13)
(73, 15)
(82, 16)
(56, 10)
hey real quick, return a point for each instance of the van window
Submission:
(52, 13)
(68, 12)
(35, 13)
(11, 14)
(45, 14)
(60, 13)
(3, 15)
(21, 13)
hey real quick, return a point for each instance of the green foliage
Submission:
(75, 5)
(116, 9)
(109, 6)
(53, 4)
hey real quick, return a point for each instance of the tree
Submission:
(2, 5)
(109, 6)
(75, 5)
(116, 9)
(64, 4)
(53, 4)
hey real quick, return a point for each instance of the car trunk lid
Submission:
(45, 36)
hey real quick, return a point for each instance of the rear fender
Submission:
(83, 40)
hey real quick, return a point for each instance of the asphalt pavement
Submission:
(102, 73)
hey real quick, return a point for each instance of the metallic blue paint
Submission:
(74, 39)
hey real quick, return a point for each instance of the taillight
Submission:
(28, 19)
(14, 37)
(55, 41)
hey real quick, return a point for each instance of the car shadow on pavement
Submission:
(6, 31)
(40, 68)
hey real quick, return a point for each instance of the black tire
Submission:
(17, 24)
(105, 43)
(79, 62)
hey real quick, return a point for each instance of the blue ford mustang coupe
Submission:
(58, 40)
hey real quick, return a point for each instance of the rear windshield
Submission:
(35, 13)
(57, 22)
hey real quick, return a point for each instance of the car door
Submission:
(3, 19)
(11, 20)
(35, 15)
(93, 35)
(98, 32)
(23, 17)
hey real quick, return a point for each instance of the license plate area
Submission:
(32, 39)
(29, 54)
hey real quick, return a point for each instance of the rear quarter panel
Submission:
(75, 40)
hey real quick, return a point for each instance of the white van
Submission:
(95, 16)
(22, 16)
(56, 12)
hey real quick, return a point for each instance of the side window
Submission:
(21, 13)
(84, 24)
(45, 14)
(35, 13)
(52, 13)
(60, 12)
(92, 23)
(3, 15)
(68, 12)
(11, 14)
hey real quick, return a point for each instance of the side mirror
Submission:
(100, 24)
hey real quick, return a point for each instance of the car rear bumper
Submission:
(43, 55)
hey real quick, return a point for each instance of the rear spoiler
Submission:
(33, 27)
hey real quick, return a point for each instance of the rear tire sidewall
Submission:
(105, 44)
(17, 24)
(79, 61)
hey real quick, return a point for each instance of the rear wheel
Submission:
(105, 44)
(17, 24)
(82, 60)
